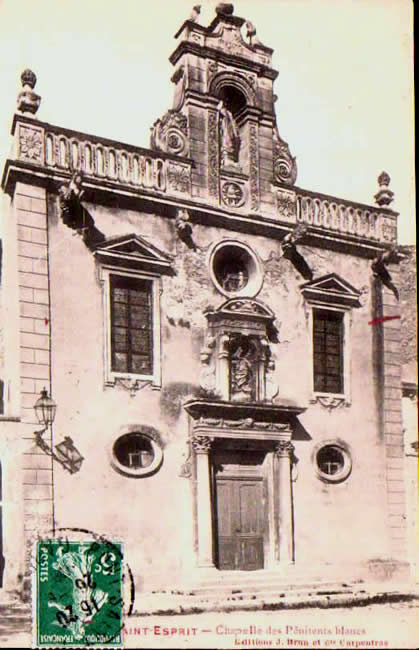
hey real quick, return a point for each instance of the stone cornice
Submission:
(108, 193)
(160, 183)
(186, 47)
(257, 411)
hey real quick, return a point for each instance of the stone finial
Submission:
(384, 179)
(225, 8)
(196, 10)
(384, 195)
(28, 101)
(28, 78)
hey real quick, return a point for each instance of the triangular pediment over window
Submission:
(332, 289)
(133, 252)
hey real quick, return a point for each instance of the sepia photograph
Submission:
(208, 325)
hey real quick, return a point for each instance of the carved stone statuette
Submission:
(184, 228)
(28, 101)
(380, 271)
(186, 467)
(271, 385)
(290, 252)
(196, 10)
(70, 196)
(73, 213)
(243, 370)
(207, 372)
(229, 137)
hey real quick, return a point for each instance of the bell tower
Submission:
(223, 114)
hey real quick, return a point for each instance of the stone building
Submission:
(223, 346)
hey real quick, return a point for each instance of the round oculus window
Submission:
(235, 269)
(136, 454)
(333, 463)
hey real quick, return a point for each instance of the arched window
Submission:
(233, 99)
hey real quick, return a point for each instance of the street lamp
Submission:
(45, 409)
(67, 454)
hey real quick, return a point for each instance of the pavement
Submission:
(383, 625)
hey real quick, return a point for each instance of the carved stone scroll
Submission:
(284, 448)
(285, 166)
(201, 444)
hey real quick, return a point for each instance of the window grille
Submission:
(328, 351)
(131, 325)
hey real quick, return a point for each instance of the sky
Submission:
(345, 84)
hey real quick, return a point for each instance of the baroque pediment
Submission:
(331, 288)
(246, 307)
(133, 251)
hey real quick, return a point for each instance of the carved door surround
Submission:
(261, 434)
(237, 361)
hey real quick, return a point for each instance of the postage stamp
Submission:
(78, 594)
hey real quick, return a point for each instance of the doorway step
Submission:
(15, 617)
(258, 592)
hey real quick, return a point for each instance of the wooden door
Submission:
(240, 523)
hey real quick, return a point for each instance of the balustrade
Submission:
(44, 145)
(105, 162)
(331, 214)
(102, 161)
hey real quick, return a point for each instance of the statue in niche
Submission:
(232, 273)
(242, 372)
(234, 278)
(229, 137)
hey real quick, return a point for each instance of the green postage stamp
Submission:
(78, 594)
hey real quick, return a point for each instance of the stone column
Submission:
(223, 367)
(283, 454)
(202, 446)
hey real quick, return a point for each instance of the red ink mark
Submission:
(46, 321)
(382, 319)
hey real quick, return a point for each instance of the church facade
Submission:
(223, 346)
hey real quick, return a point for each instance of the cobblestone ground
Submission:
(393, 625)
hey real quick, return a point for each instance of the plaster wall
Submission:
(342, 525)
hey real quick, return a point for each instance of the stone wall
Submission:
(34, 348)
(153, 516)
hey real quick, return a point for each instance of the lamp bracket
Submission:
(68, 463)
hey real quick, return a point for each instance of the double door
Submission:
(240, 522)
